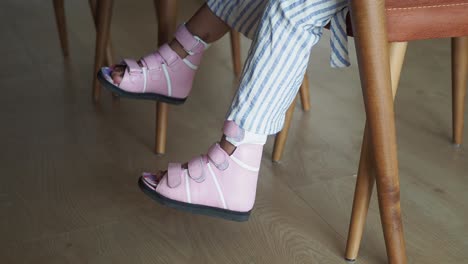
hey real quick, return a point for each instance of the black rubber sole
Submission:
(194, 208)
(141, 96)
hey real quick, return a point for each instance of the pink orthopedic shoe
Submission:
(215, 184)
(164, 76)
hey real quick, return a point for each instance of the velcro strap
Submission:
(232, 130)
(132, 66)
(196, 169)
(187, 40)
(218, 157)
(168, 54)
(174, 175)
(152, 61)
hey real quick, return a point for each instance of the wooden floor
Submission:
(68, 168)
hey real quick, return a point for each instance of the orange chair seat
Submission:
(424, 19)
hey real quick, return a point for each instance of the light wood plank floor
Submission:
(68, 168)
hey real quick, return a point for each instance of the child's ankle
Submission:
(226, 145)
(177, 47)
(235, 136)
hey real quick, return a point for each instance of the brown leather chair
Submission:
(377, 22)
(59, 10)
(404, 24)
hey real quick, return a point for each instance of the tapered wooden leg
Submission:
(59, 10)
(236, 53)
(305, 95)
(104, 14)
(161, 127)
(371, 41)
(166, 11)
(280, 139)
(109, 50)
(459, 79)
(362, 195)
(365, 178)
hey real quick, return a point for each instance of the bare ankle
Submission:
(175, 45)
(227, 146)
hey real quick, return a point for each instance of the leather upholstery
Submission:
(424, 19)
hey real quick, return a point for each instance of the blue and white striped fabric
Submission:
(283, 34)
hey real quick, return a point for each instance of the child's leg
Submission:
(241, 15)
(278, 59)
(223, 182)
(204, 24)
(167, 74)
(212, 21)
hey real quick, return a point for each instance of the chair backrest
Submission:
(424, 19)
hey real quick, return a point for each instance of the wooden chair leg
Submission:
(236, 53)
(362, 195)
(109, 50)
(280, 139)
(59, 10)
(166, 11)
(365, 178)
(104, 14)
(162, 110)
(459, 80)
(371, 39)
(305, 95)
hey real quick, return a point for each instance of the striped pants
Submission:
(283, 34)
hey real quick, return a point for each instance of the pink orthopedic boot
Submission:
(215, 184)
(164, 76)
